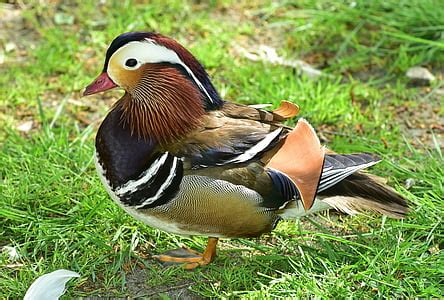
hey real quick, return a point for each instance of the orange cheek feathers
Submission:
(127, 79)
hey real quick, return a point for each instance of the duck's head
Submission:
(155, 71)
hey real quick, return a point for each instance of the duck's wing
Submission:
(235, 135)
(249, 147)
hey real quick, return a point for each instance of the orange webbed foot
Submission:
(189, 258)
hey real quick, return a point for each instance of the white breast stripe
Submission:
(132, 185)
(250, 153)
(152, 221)
(163, 187)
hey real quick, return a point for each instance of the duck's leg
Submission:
(190, 258)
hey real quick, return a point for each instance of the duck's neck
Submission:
(164, 105)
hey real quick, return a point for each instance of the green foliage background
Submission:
(55, 212)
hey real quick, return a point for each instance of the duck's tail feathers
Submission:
(346, 189)
(339, 166)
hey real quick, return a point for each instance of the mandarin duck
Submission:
(176, 156)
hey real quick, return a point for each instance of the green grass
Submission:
(54, 210)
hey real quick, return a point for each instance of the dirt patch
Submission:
(17, 37)
(421, 121)
(136, 283)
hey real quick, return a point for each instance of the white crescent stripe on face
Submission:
(163, 187)
(148, 51)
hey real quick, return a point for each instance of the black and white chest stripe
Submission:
(155, 186)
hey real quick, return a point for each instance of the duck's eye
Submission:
(131, 62)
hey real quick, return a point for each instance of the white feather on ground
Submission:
(50, 286)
